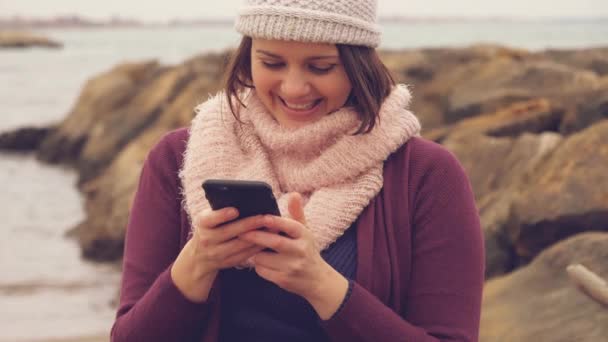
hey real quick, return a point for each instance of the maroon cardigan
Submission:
(419, 265)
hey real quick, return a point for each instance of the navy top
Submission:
(254, 309)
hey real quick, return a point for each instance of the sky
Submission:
(187, 9)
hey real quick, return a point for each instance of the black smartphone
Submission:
(248, 197)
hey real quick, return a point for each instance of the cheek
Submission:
(262, 80)
(337, 91)
(255, 76)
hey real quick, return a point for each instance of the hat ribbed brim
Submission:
(306, 26)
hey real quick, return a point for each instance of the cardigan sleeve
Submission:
(151, 307)
(443, 300)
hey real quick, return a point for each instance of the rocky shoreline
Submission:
(20, 40)
(529, 128)
(93, 338)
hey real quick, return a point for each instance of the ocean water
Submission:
(46, 291)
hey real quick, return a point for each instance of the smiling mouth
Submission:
(300, 107)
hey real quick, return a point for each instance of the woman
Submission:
(380, 235)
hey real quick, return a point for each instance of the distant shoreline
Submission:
(21, 22)
(93, 338)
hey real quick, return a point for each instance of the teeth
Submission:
(300, 106)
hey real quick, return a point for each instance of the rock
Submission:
(534, 190)
(566, 194)
(493, 163)
(10, 39)
(539, 302)
(502, 82)
(497, 167)
(409, 66)
(88, 338)
(413, 67)
(451, 84)
(433, 73)
(101, 96)
(109, 195)
(495, 213)
(533, 116)
(119, 127)
(116, 107)
(24, 139)
(592, 59)
(585, 109)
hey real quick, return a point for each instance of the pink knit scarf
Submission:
(336, 172)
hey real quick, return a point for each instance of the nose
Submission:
(294, 85)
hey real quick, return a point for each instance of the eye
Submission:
(321, 70)
(272, 65)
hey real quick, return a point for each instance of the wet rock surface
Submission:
(26, 139)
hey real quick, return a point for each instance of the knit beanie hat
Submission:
(351, 22)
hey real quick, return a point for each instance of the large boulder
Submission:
(100, 96)
(497, 167)
(498, 150)
(533, 116)
(501, 82)
(593, 59)
(453, 83)
(494, 214)
(584, 108)
(108, 196)
(534, 190)
(539, 302)
(118, 106)
(434, 72)
(566, 194)
(123, 125)
(414, 68)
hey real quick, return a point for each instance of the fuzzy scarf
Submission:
(336, 173)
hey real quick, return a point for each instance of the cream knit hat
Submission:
(351, 22)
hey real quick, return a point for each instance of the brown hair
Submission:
(370, 79)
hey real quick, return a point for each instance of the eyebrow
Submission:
(270, 54)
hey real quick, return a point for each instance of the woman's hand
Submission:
(213, 246)
(297, 265)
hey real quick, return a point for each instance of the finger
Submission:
(214, 218)
(236, 228)
(276, 242)
(273, 276)
(292, 228)
(272, 261)
(296, 207)
(223, 233)
(241, 257)
(225, 250)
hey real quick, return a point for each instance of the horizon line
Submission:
(217, 19)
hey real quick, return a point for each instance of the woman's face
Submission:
(299, 83)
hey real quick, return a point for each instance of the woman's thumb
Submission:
(296, 207)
